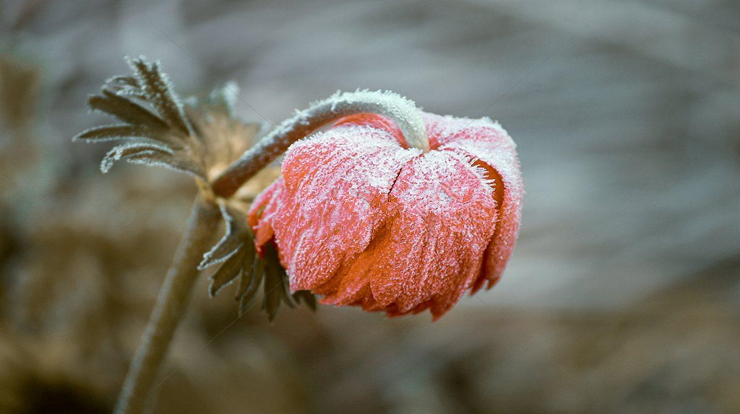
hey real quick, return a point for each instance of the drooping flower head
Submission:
(364, 220)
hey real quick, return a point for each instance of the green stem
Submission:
(170, 307)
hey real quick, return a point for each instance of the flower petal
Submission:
(336, 186)
(430, 248)
(263, 211)
(491, 148)
(364, 222)
(440, 233)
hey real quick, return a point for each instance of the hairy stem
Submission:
(171, 305)
(399, 109)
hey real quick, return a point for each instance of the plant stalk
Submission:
(170, 307)
(401, 110)
(178, 284)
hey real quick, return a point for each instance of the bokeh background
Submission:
(623, 293)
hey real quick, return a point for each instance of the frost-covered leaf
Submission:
(126, 150)
(276, 284)
(237, 234)
(202, 138)
(122, 81)
(116, 132)
(125, 86)
(125, 109)
(227, 272)
(131, 93)
(236, 256)
(174, 162)
(235, 251)
(149, 154)
(160, 94)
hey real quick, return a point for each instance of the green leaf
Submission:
(160, 93)
(237, 235)
(249, 292)
(227, 272)
(125, 109)
(276, 283)
(117, 132)
(277, 272)
(247, 276)
(306, 297)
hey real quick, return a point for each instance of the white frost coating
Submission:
(228, 246)
(122, 151)
(453, 125)
(401, 110)
(152, 155)
(479, 171)
(159, 91)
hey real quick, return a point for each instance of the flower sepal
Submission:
(238, 261)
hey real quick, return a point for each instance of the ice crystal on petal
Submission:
(364, 221)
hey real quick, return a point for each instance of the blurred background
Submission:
(623, 295)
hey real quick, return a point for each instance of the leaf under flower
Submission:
(238, 260)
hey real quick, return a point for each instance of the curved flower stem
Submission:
(175, 292)
(401, 110)
(171, 305)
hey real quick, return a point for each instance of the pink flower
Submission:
(363, 220)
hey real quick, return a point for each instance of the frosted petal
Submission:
(486, 142)
(365, 222)
(439, 234)
(335, 184)
(263, 211)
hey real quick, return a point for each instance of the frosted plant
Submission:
(391, 209)
(363, 221)
(238, 260)
(401, 110)
(199, 137)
